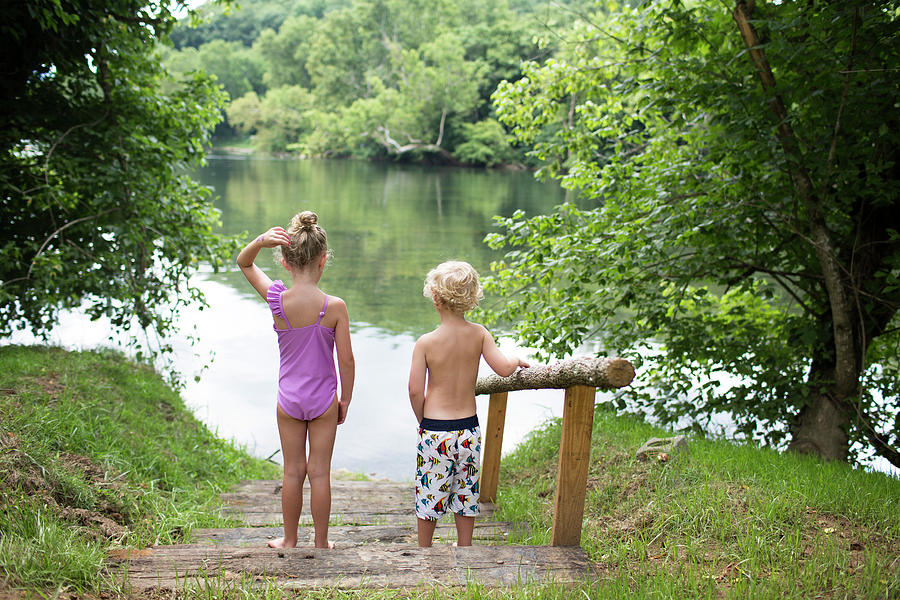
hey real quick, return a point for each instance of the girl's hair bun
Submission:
(305, 220)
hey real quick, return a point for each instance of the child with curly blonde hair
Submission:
(442, 393)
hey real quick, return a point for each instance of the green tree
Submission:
(277, 120)
(345, 48)
(285, 52)
(486, 143)
(745, 165)
(244, 24)
(501, 40)
(434, 83)
(96, 209)
(237, 69)
(388, 78)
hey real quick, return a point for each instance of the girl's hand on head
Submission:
(274, 237)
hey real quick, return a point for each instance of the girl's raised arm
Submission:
(346, 362)
(261, 282)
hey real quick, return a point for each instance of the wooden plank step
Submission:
(395, 566)
(272, 517)
(385, 495)
(273, 486)
(257, 503)
(486, 532)
(338, 500)
(252, 517)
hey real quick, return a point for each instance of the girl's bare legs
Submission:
(322, 430)
(293, 449)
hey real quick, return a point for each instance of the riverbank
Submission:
(242, 147)
(722, 520)
(97, 453)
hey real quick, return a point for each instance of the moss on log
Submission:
(603, 373)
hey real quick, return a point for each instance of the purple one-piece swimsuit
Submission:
(307, 381)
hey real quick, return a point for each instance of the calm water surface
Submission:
(387, 226)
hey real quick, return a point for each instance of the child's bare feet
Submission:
(281, 543)
(329, 545)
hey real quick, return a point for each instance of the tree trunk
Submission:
(821, 430)
(822, 425)
(823, 414)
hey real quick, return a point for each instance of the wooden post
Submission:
(492, 436)
(574, 459)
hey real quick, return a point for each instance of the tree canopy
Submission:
(96, 208)
(243, 24)
(745, 247)
(384, 79)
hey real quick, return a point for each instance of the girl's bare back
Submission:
(302, 305)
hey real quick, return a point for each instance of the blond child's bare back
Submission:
(448, 358)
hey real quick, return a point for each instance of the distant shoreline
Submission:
(231, 150)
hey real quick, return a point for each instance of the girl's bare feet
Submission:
(330, 545)
(281, 543)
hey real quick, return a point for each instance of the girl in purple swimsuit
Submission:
(310, 325)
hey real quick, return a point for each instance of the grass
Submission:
(98, 453)
(723, 520)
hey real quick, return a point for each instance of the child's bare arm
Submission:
(346, 362)
(501, 364)
(417, 373)
(261, 282)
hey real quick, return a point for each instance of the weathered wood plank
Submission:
(273, 486)
(338, 505)
(170, 567)
(261, 516)
(574, 460)
(345, 536)
(338, 499)
(273, 518)
(258, 503)
(493, 443)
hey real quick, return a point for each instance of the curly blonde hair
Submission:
(308, 240)
(455, 285)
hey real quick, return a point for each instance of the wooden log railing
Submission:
(580, 377)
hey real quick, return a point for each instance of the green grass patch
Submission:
(97, 452)
(723, 520)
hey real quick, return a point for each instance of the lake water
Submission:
(387, 226)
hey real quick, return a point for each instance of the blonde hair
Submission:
(455, 285)
(308, 240)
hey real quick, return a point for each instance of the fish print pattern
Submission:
(447, 472)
